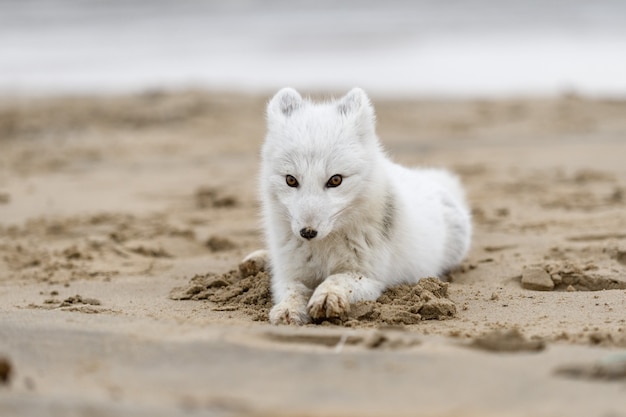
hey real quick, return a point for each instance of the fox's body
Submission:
(343, 223)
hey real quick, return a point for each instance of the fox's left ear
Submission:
(357, 106)
(284, 103)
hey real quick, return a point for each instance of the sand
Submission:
(247, 289)
(123, 220)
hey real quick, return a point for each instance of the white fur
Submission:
(384, 225)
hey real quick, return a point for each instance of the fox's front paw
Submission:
(328, 302)
(287, 313)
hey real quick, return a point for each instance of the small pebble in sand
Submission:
(537, 279)
(5, 370)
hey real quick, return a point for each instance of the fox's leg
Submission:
(291, 299)
(332, 297)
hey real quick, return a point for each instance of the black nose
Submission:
(308, 233)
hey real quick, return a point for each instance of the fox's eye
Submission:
(334, 181)
(291, 181)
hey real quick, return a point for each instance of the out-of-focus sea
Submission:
(391, 47)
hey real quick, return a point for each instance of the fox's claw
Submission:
(284, 313)
(328, 304)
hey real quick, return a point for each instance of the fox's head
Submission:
(319, 160)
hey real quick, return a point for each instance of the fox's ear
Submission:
(357, 106)
(284, 103)
(354, 103)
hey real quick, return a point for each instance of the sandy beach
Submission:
(111, 207)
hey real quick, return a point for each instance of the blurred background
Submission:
(393, 47)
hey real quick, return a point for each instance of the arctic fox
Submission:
(343, 222)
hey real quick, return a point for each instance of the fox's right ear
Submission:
(284, 103)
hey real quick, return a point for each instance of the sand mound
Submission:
(507, 341)
(406, 304)
(568, 275)
(230, 291)
(248, 290)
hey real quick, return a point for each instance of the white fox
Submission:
(343, 222)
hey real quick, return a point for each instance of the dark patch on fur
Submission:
(309, 258)
(354, 247)
(389, 216)
(367, 240)
(357, 254)
(348, 242)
